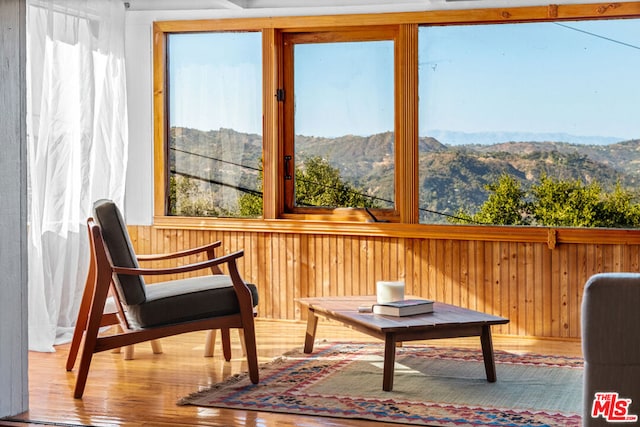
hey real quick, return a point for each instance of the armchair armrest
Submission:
(242, 290)
(226, 259)
(180, 254)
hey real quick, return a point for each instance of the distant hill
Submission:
(451, 176)
(488, 138)
(222, 155)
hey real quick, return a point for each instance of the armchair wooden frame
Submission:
(99, 286)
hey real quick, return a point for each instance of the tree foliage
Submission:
(505, 205)
(186, 198)
(320, 184)
(251, 204)
(554, 202)
(567, 203)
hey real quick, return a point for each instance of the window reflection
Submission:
(215, 124)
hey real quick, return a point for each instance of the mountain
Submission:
(488, 138)
(222, 155)
(457, 177)
(451, 176)
(623, 157)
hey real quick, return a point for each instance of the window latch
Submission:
(287, 167)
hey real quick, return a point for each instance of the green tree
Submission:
(320, 184)
(251, 204)
(567, 203)
(506, 205)
(554, 202)
(618, 209)
(186, 198)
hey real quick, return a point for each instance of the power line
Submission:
(597, 35)
(216, 160)
(259, 193)
(220, 183)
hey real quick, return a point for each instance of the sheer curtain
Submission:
(77, 148)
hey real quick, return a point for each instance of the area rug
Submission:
(432, 386)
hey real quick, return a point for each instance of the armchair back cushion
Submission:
(131, 289)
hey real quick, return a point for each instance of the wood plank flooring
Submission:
(144, 391)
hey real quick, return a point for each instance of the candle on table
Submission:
(389, 291)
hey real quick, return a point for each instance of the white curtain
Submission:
(77, 149)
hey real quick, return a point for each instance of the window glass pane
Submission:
(215, 124)
(344, 124)
(555, 101)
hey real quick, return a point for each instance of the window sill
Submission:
(551, 236)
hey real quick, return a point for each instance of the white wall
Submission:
(14, 390)
(140, 18)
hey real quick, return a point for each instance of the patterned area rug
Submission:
(432, 386)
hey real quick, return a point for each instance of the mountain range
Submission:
(487, 138)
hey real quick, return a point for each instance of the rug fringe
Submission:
(236, 378)
(229, 381)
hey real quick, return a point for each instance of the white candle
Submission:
(389, 291)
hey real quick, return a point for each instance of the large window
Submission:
(553, 105)
(432, 117)
(215, 124)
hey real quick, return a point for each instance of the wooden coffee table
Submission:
(446, 321)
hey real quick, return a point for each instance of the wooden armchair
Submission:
(146, 313)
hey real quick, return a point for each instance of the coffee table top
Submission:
(345, 309)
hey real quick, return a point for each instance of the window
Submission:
(215, 124)
(412, 121)
(529, 100)
(339, 142)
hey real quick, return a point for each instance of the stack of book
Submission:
(407, 307)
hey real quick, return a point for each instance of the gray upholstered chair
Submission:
(145, 313)
(611, 342)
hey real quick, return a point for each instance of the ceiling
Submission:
(239, 6)
(273, 4)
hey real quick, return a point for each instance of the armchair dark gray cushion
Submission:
(188, 299)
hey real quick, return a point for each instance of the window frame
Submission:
(290, 40)
(275, 219)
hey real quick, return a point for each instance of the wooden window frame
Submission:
(362, 34)
(406, 123)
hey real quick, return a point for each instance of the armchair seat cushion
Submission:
(185, 300)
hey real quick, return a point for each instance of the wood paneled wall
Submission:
(539, 289)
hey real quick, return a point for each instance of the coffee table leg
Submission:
(310, 337)
(389, 361)
(487, 353)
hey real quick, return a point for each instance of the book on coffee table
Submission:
(407, 307)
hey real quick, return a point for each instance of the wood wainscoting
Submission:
(537, 286)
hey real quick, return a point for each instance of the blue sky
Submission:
(215, 80)
(355, 98)
(541, 77)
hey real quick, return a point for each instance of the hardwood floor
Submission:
(144, 391)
